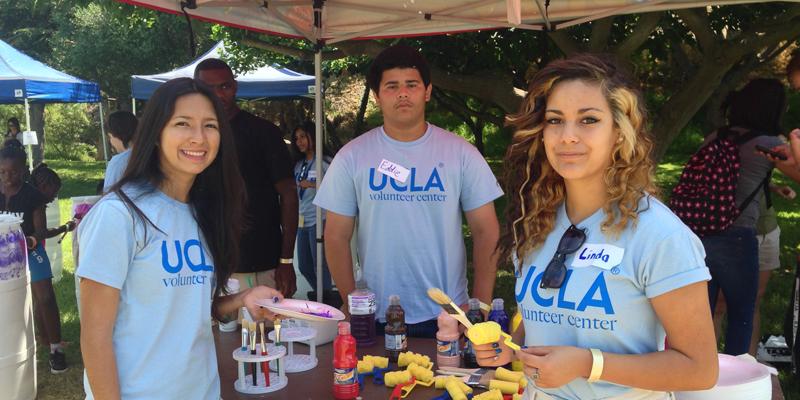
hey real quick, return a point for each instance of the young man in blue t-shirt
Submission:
(408, 182)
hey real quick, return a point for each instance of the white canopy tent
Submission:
(331, 21)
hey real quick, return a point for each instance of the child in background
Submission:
(47, 181)
(21, 197)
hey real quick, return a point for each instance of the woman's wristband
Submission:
(597, 365)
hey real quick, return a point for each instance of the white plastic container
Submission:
(326, 330)
(52, 245)
(17, 344)
(739, 379)
(79, 206)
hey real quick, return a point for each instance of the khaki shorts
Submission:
(769, 250)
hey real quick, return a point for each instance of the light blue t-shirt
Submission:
(116, 166)
(605, 301)
(307, 169)
(162, 336)
(409, 234)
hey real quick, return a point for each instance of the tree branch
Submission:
(644, 27)
(601, 30)
(458, 107)
(699, 25)
(564, 42)
(785, 26)
(300, 54)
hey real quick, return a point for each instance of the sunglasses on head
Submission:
(556, 272)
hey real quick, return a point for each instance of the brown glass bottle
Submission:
(395, 331)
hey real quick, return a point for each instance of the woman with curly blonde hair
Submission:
(604, 270)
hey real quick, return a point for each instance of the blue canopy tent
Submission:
(24, 80)
(264, 82)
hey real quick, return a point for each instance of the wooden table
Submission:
(316, 383)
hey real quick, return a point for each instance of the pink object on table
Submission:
(739, 379)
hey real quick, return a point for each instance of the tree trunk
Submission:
(477, 131)
(37, 124)
(362, 110)
(682, 106)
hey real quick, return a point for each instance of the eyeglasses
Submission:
(555, 273)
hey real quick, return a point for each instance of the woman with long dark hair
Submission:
(754, 116)
(13, 131)
(305, 174)
(604, 270)
(155, 253)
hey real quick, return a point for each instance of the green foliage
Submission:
(70, 133)
(11, 110)
(107, 42)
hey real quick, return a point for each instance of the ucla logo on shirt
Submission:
(568, 305)
(419, 187)
(186, 261)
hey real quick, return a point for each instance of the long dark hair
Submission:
(217, 195)
(310, 129)
(13, 121)
(758, 106)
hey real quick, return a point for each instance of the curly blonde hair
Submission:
(534, 188)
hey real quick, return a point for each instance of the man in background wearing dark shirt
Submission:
(267, 244)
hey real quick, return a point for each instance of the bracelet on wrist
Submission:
(597, 365)
(286, 260)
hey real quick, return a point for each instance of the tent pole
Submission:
(103, 132)
(28, 128)
(133, 103)
(318, 153)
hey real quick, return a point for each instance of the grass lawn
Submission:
(81, 178)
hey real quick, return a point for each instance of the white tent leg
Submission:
(133, 105)
(318, 166)
(103, 132)
(28, 128)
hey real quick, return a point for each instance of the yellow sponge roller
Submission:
(489, 332)
(454, 390)
(406, 358)
(422, 374)
(441, 381)
(365, 367)
(394, 378)
(380, 362)
(504, 387)
(510, 376)
(490, 395)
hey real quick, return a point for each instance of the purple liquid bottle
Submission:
(498, 314)
(361, 303)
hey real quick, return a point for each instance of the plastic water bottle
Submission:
(231, 326)
(475, 316)
(498, 314)
(345, 379)
(362, 314)
(395, 331)
(447, 341)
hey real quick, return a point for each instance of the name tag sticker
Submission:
(392, 170)
(603, 256)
